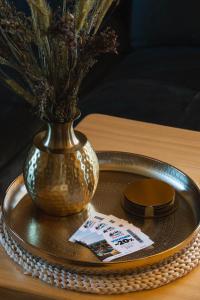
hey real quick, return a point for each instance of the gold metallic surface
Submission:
(149, 198)
(61, 171)
(47, 237)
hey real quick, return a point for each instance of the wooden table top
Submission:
(175, 146)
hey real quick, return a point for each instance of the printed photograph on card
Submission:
(103, 250)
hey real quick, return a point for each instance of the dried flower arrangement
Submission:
(52, 51)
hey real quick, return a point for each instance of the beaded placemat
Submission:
(136, 280)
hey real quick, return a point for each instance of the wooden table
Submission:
(176, 146)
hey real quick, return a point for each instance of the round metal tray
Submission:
(47, 237)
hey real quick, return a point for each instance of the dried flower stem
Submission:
(101, 12)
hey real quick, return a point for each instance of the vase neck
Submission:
(60, 136)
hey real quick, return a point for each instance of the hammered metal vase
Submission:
(61, 170)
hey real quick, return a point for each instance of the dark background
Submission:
(155, 77)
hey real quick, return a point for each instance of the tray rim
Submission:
(113, 266)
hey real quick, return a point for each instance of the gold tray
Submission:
(47, 237)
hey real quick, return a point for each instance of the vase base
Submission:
(61, 213)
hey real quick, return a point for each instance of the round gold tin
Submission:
(47, 237)
(149, 198)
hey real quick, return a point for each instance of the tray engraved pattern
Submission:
(47, 236)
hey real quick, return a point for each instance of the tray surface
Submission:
(47, 236)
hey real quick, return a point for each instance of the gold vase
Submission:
(61, 170)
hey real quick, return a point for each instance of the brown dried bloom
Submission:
(104, 42)
(64, 28)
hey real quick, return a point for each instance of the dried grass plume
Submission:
(52, 51)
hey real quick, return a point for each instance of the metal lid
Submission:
(149, 198)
